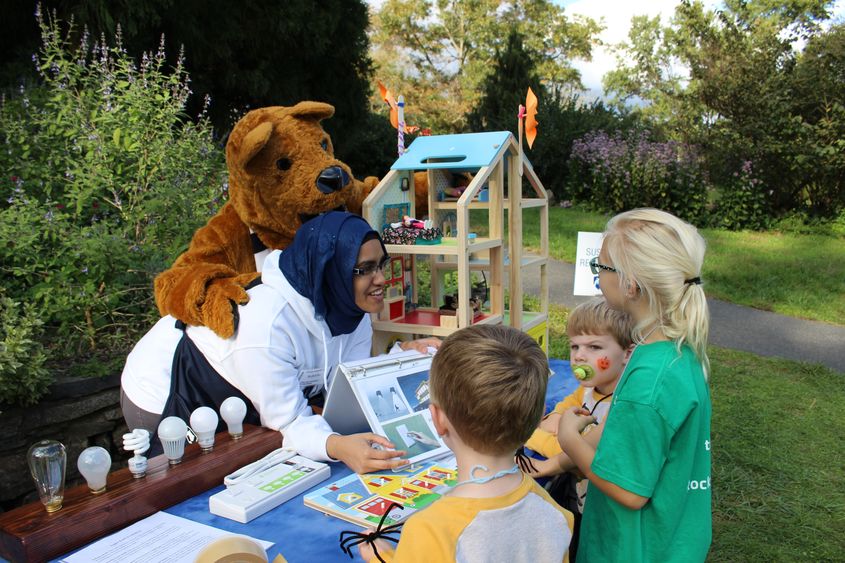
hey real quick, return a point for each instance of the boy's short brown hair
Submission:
(597, 318)
(490, 381)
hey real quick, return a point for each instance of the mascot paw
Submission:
(220, 310)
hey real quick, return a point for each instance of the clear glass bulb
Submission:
(233, 411)
(172, 431)
(47, 461)
(204, 424)
(94, 464)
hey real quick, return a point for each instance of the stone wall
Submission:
(79, 413)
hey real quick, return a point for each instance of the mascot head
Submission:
(282, 170)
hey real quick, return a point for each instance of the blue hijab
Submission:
(318, 264)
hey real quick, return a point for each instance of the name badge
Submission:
(311, 378)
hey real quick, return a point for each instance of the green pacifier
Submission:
(583, 372)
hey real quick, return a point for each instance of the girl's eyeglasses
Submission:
(596, 267)
(370, 268)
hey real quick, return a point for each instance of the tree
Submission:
(727, 81)
(245, 54)
(504, 89)
(437, 53)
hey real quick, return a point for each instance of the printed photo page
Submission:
(394, 396)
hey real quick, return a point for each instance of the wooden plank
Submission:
(29, 533)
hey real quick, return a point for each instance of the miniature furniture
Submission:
(482, 233)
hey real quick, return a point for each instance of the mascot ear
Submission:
(253, 143)
(313, 110)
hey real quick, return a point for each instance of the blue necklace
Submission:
(482, 480)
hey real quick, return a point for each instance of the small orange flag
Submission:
(391, 103)
(530, 117)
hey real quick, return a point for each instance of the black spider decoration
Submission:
(524, 461)
(349, 538)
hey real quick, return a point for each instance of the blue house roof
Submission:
(467, 151)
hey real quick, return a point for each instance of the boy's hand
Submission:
(550, 423)
(544, 467)
(366, 550)
(364, 452)
(572, 423)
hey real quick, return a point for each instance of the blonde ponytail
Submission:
(663, 256)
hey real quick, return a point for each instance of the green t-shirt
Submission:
(656, 443)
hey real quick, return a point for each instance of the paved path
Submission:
(736, 327)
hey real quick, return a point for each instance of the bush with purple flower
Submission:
(105, 181)
(622, 170)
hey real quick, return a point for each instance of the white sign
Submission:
(589, 246)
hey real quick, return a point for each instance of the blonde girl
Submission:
(649, 474)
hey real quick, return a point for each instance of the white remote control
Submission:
(267, 488)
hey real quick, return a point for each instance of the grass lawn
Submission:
(778, 456)
(796, 275)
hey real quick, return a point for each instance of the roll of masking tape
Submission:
(235, 549)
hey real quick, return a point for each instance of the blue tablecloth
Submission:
(304, 534)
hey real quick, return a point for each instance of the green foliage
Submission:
(23, 377)
(437, 53)
(243, 55)
(733, 81)
(623, 171)
(106, 182)
(742, 204)
(505, 88)
(563, 119)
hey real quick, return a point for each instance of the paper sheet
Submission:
(161, 537)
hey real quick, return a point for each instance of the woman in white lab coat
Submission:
(308, 314)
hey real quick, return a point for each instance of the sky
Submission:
(617, 16)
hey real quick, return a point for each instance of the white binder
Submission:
(387, 395)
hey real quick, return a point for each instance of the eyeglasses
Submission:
(370, 268)
(596, 267)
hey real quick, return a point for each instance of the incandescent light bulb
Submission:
(94, 464)
(47, 460)
(233, 411)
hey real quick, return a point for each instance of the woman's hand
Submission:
(550, 423)
(364, 452)
(573, 421)
(421, 345)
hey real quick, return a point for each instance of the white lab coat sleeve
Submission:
(270, 379)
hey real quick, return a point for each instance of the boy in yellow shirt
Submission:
(488, 386)
(601, 343)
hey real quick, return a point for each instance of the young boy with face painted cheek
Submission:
(600, 345)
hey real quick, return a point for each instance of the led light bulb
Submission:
(204, 424)
(47, 460)
(233, 411)
(137, 441)
(172, 431)
(94, 464)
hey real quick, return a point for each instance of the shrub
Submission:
(23, 377)
(742, 203)
(106, 180)
(563, 120)
(620, 171)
